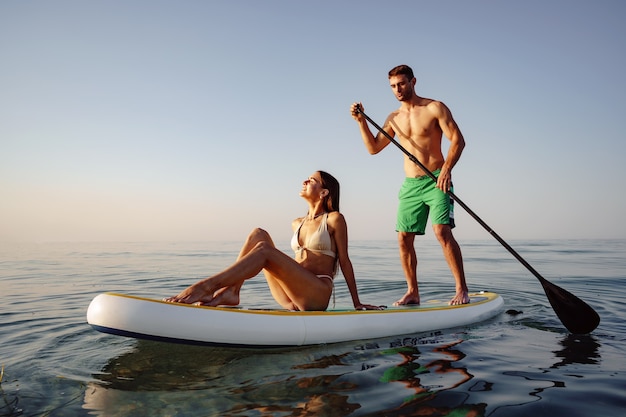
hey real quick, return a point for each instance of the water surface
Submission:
(512, 365)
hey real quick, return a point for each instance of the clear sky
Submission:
(198, 120)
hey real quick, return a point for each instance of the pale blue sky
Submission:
(198, 120)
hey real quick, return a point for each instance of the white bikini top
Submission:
(318, 241)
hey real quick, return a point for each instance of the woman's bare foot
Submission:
(190, 295)
(228, 296)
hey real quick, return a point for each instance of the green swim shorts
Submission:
(419, 197)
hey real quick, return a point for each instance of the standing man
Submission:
(419, 124)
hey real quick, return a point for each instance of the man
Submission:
(419, 124)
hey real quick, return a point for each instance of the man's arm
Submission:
(373, 144)
(451, 130)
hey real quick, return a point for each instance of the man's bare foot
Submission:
(408, 299)
(460, 298)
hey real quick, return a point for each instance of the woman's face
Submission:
(312, 186)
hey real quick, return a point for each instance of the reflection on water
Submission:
(410, 374)
(424, 375)
(537, 381)
(582, 349)
(395, 376)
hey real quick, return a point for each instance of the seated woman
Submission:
(320, 242)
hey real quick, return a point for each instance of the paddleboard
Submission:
(146, 318)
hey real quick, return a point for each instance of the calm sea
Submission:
(527, 364)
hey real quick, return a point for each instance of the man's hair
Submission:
(402, 70)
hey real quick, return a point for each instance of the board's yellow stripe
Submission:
(477, 299)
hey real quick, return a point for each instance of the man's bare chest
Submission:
(416, 127)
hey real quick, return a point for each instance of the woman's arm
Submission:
(338, 225)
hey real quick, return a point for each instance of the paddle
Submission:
(576, 315)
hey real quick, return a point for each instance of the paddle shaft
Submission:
(457, 199)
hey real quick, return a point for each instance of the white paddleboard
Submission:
(145, 318)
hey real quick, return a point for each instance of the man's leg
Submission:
(408, 258)
(452, 253)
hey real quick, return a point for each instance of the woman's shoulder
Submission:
(335, 216)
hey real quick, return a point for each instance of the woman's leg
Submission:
(226, 284)
(292, 285)
(230, 295)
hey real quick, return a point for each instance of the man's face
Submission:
(401, 86)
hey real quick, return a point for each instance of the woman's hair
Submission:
(331, 201)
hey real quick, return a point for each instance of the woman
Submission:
(320, 241)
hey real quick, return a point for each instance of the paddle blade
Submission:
(576, 315)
